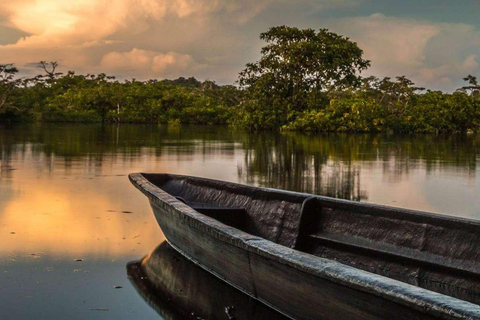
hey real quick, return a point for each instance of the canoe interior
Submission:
(435, 252)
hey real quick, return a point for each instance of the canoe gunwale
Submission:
(423, 300)
(361, 207)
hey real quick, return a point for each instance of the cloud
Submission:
(216, 38)
(155, 64)
(85, 35)
(83, 21)
(393, 43)
(435, 55)
(444, 75)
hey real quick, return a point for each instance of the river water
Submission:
(70, 221)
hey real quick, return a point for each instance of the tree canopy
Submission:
(296, 71)
(7, 85)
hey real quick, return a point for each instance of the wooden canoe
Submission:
(178, 289)
(314, 257)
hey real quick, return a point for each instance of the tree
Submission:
(473, 87)
(297, 70)
(100, 97)
(7, 84)
(49, 69)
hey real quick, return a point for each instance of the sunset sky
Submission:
(435, 43)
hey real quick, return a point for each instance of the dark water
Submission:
(65, 196)
(178, 289)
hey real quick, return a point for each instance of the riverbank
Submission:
(377, 106)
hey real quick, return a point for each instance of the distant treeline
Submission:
(304, 81)
(394, 106)
(54, 97)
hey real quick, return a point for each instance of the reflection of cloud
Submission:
(398, 189)
(71, 217)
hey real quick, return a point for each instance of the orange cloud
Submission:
(169, 64)
(82, 21)
(215, 38)
(86, 35)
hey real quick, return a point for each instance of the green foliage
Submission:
(351, 114)
(473, 87)
(297, 69)
(440, 112)
(8, 85)
(376, 110)
(54, 97)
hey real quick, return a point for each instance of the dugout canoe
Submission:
(178, 289)
(314, 257)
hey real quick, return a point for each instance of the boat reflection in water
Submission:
(178, 289)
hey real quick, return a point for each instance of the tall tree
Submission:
(473, 86)
(49, 69)
(296, 71)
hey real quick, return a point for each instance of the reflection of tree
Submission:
(292, 162)
(328, 164)
(96, 143)
(402, 154)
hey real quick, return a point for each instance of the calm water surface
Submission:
(65, 196)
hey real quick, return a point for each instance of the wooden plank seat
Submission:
(364, 246)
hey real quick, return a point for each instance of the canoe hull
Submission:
(297, 284)
(226, 261)
(177, 288)
(296, 294)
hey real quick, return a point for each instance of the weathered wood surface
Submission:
(438, 253)
(271, 215)
(178, 289)
(299, 284)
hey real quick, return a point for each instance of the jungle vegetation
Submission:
(305, 80)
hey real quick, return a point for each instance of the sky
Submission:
(433, 42)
